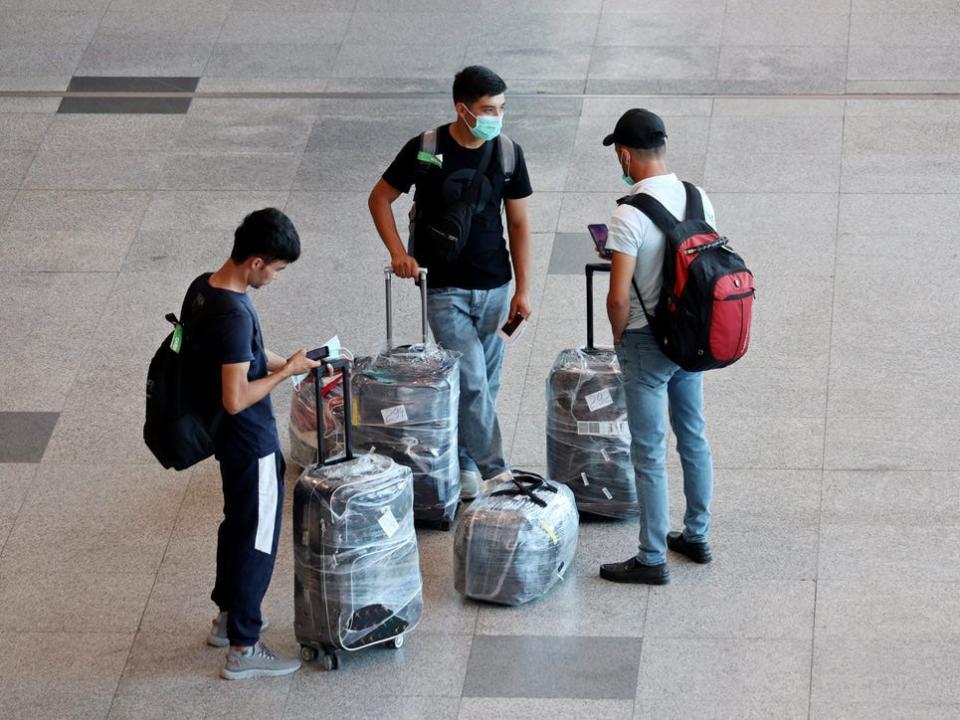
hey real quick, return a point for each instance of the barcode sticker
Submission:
(389, 523)
(606, 493)
(616, 428)
(599, 400)
(583, 476)
(394, 415)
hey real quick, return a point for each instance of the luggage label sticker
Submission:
(617, 428)
(389, 523)
(394, 415)
(583, 476)
(548, 529)
(606, 493)
(599, 400)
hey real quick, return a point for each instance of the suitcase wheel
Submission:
(396, 643)
(308, 654)
(329, 662)
(445, 525)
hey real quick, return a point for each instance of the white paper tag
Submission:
(599, 400)
(606, 493)
(394, 415)
(583, 476)
(389, 523)
(618, 428)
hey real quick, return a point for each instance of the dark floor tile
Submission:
(552, 667)
(24, 435)
(95, 83)
(571, 251)
(125, 105)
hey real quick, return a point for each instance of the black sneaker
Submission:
(634, 571)
(698, 552)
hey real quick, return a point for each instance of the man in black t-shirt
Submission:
(468, 297)
(235, 373)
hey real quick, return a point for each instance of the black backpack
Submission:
(179, 428)
(705, 307)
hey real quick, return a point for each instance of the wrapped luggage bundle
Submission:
(588, 441)
(356, 564)
(303, 420)
(515, 542)
(357, 582)
(406, 407)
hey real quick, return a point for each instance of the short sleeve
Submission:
(403, 170)
(231, 338)
(625, 230)
(708, 212)
(519, 185)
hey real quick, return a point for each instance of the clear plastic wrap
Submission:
(406, 402)
(357, 567)
(515, 542)
(588, 441)
(303, 420)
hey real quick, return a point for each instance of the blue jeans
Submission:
(467, 321)
(653, 383)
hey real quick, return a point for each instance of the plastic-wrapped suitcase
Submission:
(515, 542)
(303, 420)
(357, 577)
(406, 407)
(588, 440)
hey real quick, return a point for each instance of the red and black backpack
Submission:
(703, 315)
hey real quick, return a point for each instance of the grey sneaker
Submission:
(469, 484)
(489, 484)
(218, 631)
(257, 661)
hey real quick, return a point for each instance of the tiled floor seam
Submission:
(16, 516)
(146, 604)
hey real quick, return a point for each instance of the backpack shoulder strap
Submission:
(694, 202)
(428, 141)
(508, 156)
(652, 208)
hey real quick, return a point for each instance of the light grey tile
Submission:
(445, 611)
(902, 65)
(13, 167)
(85, 684)
(95, 602)
(243, 133)
(581, 605)
(566, 709)
(535, 64)
(724, 678)
(294, 6)
(907, 391)
(784, 390)
(773, 172)
(48, 27)
(895, 554)
(177, 675)
(778, 107)
(82, 169)
(821, 136)
(916, 28)
(22, 131)
(29, 59)
(48, 82)
(872, 608)
(884, 670)
(581, 667)
(16, 483)
(6, 200)
(765, 441)
(904, 215)
(208, 211)
(879, 172)
(164, 251)
(246, 85)
(893, 710)
(771, 25)
(699, 608)
(781, 69)
(27, 104)
(201, 171)
(638, 69)
(895, 498)
(367, 59)
(113, 134)
(260, 60)
(667, 107)
(114, 56)
(103, 539)
(370, 708)
(202, 23)
(526, 28)
(322, 28)
(664, 28)
(863, 443)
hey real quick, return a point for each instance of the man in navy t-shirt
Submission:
(236, 373)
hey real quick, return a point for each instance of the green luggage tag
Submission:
(430, 159)
(176, 342)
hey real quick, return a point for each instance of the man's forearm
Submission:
(274, 361)
(254, 391)
(382, 213)
(520, 256)
(619, 315)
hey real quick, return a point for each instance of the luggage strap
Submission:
(526, 484)
(508, 152)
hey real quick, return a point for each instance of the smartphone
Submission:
(320, 353)
(330, 350)
(599, 235)
(513, 328)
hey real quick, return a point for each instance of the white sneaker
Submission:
(469, 484)
(489, 484)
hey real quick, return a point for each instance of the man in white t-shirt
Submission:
(654, 383)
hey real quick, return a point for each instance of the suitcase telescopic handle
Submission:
(344, 366)
(388, 284)
(590, 269)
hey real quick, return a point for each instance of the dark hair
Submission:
(268, 234)
(475, 82)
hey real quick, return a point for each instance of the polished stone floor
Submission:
(135, 135)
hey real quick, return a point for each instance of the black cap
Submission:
(638, 128)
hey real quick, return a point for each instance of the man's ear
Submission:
(256, 263)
